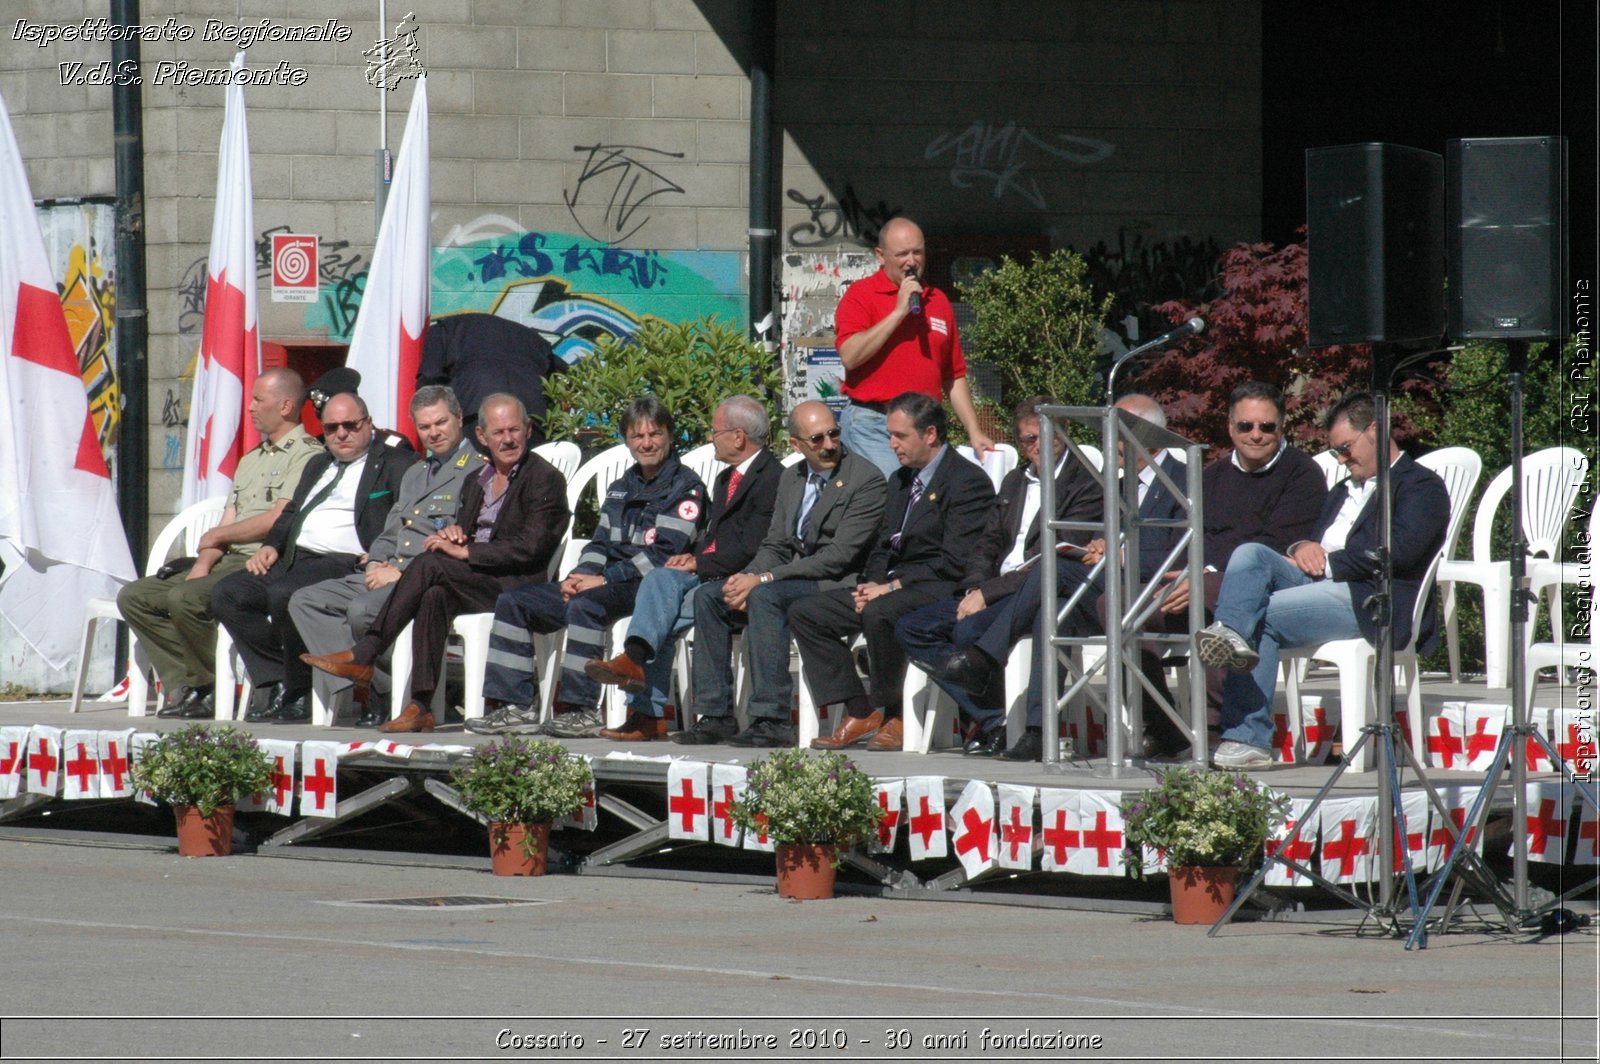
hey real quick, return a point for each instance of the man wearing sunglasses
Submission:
(339, 508)
(823, 521)
(1316, 590)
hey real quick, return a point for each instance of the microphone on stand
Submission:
(1188, 328)
(915, 305)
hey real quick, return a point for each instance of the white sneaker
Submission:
(1233, 754)
(1220, 647)
(507, 720)
(576, 724)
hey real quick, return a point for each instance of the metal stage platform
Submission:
(394, 806)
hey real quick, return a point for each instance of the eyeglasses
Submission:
(1246, 427)
(1028, 439)
(714, 433)
(816, 438)
(1342, 452)
(351, 427)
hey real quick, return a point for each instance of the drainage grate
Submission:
(443, 901)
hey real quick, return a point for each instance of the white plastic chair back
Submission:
(997, 463)
(703, 460)
(1332, 471)
(793, 458)
(1550, 482)
(1459, 468)
(598, 473)
(563, 454)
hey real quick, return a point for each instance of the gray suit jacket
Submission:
(843, 525)
(424, 505)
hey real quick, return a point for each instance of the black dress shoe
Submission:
(707, 731)
(971, 669)
(989, 743)
(371, 716)
(264, 704)
(765, 731)
(202, 705)
(295, 708)
(174, 708)
(1028, 748)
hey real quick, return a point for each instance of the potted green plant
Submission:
(520, 786)
(200, 771)
(1210, 826)
(810, 807)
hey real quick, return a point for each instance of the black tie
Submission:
(311, 504)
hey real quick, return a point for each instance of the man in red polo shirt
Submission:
(888, 346)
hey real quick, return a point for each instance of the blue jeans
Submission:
(766, 636)
(1268, 600)
(865, 431)
(932, 633)
(663, 608)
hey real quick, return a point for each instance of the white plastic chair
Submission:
(1560, 652)
(997, 463)
(1332, 471)
(1355, 659)
(1551, 479)
(187, 527)
(562, 454)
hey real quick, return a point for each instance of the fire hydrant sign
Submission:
(294, 268)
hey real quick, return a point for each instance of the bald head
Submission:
(275, 402)
(1143, 407)
(900, 247)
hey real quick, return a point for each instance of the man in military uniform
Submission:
(172, 612)
(651, 513)
(335, 613)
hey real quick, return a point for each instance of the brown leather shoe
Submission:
(341, 664)
(891, 736)
(411, 719)
(638, 728)
(621, 671)
(851, 730)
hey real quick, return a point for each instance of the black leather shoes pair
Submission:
(989, 743)
(971, 670)
(281, 706)
(1028, 748)
(707, 731)
(196, 703)
(767, 732)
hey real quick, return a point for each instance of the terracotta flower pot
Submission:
(512, 856)
(204, 836)
(1201, 893)
(805, 870)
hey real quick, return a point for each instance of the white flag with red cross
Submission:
(44, 759)
(61, 537)
(890, 796)
(116, 758)
(587, 816)
(1587, 846)
(972, 829)
(759, 840)
(1443, 832)
(1283, 739)
(1317, 732)
(1059, 836)
(1016, 825)
(386, 341)
(925, 817)
(278, 797)
(1302, 850)
(1349, 829)
(13, 760)
(1446, 737)
(80, 764)
(136, 745)
(687, 813)
(1534, 756)
(1097, 817)
(1572, 734)
(1087, 732)
(229, 359)
(1484, 725)
(319, 778)
(1411, 833)
(1549, 815)
(727, 787)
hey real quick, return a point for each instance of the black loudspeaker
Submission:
(1375, 241)
(1506, 206)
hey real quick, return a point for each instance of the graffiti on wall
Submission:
(341, 274)
(998, 156)
(845, 220)
(613, 187)
(80, 240)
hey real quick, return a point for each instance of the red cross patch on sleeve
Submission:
(689, 510)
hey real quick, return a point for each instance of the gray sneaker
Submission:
(1233, 754)
(508, 720)
(576, 724)
(1220, 647)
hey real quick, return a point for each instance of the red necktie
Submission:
(733, 487)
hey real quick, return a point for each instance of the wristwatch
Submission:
(764, 578)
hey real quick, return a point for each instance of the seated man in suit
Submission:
(335, 613)
(741, 510)
(827, 510)
(651, 513)
(339, 508)
(1000, 563)
(1316, 591)
(513, 516)
(932, 519)
(977, 667)
(172, 613)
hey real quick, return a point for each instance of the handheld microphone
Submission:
(916, 297)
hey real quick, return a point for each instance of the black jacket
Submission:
(478, 355)
(375, 494)
(1078, 498)
(940, 531)
(738, 525)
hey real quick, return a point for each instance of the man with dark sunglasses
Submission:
(827, 512)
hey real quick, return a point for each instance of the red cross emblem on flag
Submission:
(1346, 848)
(318, 782)
(1544, 826)
(1318, 731)
(689, 805)
(1016, 836)
(1588, 831)
(890, 820)
(976, 834)
(1060, 840)
(43, 764)
(1577, 751)
(11, 759)
(283, 782)
(1446, 747)
(1481, 741)
(926, 823)
(1102, 840)
(114, 764)
(1444, 836)
(722, 812)
(84, 769)
(1282, 738)
(1299, 849)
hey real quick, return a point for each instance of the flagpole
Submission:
(382, 175)
(132, 451)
